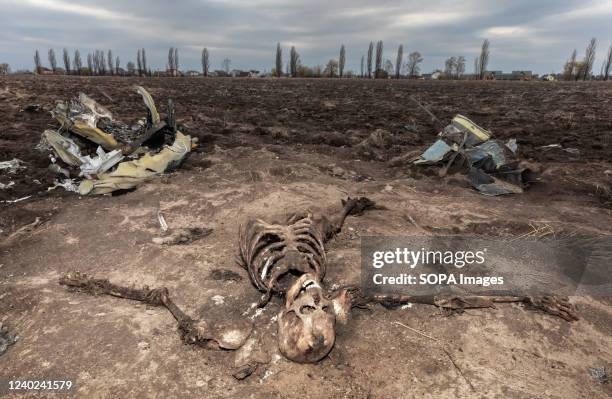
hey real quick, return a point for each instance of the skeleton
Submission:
(271, 252)
(290, 259)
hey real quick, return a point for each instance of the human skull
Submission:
(306, 326)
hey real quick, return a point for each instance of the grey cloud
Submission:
(537, 35)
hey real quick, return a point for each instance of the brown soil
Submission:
(268, 148)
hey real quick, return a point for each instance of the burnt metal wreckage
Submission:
(289, 260)
(91, 146)
(492, 166)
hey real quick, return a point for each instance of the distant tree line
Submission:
(373, 64)
(575, 69)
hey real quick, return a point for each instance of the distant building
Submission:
(192, 73)
(515, 75)
(44, 71)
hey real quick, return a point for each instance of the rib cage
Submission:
(269, 251)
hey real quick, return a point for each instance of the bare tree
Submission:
(412, 66)
(5, 69)
(37, 63)
(101, 62)
(341, 61)
(379, 58)
(370, 53)
(450, 66)
(90, 65)
(66, 59)
(331, 69)
(294, 60)
(52, 60)
(362, 61)
(398, 61)
(143, 59)
(569, 69)
(117, 65)
(176, 60)
(279, 60)
(483, 59)
(460, 68)
(171, 68)
(78, 64)
(607, 65)
(226, 65)
(139, 62)
(205, 62)
(388, 68)
(96, 62)
(589, 60)
(111, 61)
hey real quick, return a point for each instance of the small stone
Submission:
(143, 345)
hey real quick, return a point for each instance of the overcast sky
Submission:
(537, 34)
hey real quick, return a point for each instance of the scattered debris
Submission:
(596, 372)
(435, 153)
(93, 142)
(7, 185)
(6, 339)
(573, 151)
(491, 165)
(162, 221)
(245, 371)
(218, 299)
(67, 184)
(32, 108)
(182, 235)
(16, 200)
(12, 166)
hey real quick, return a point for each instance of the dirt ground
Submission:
(269, 148)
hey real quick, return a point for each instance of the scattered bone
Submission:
(162, 222)
(196, 332)
(556, 306)
(12, 166)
